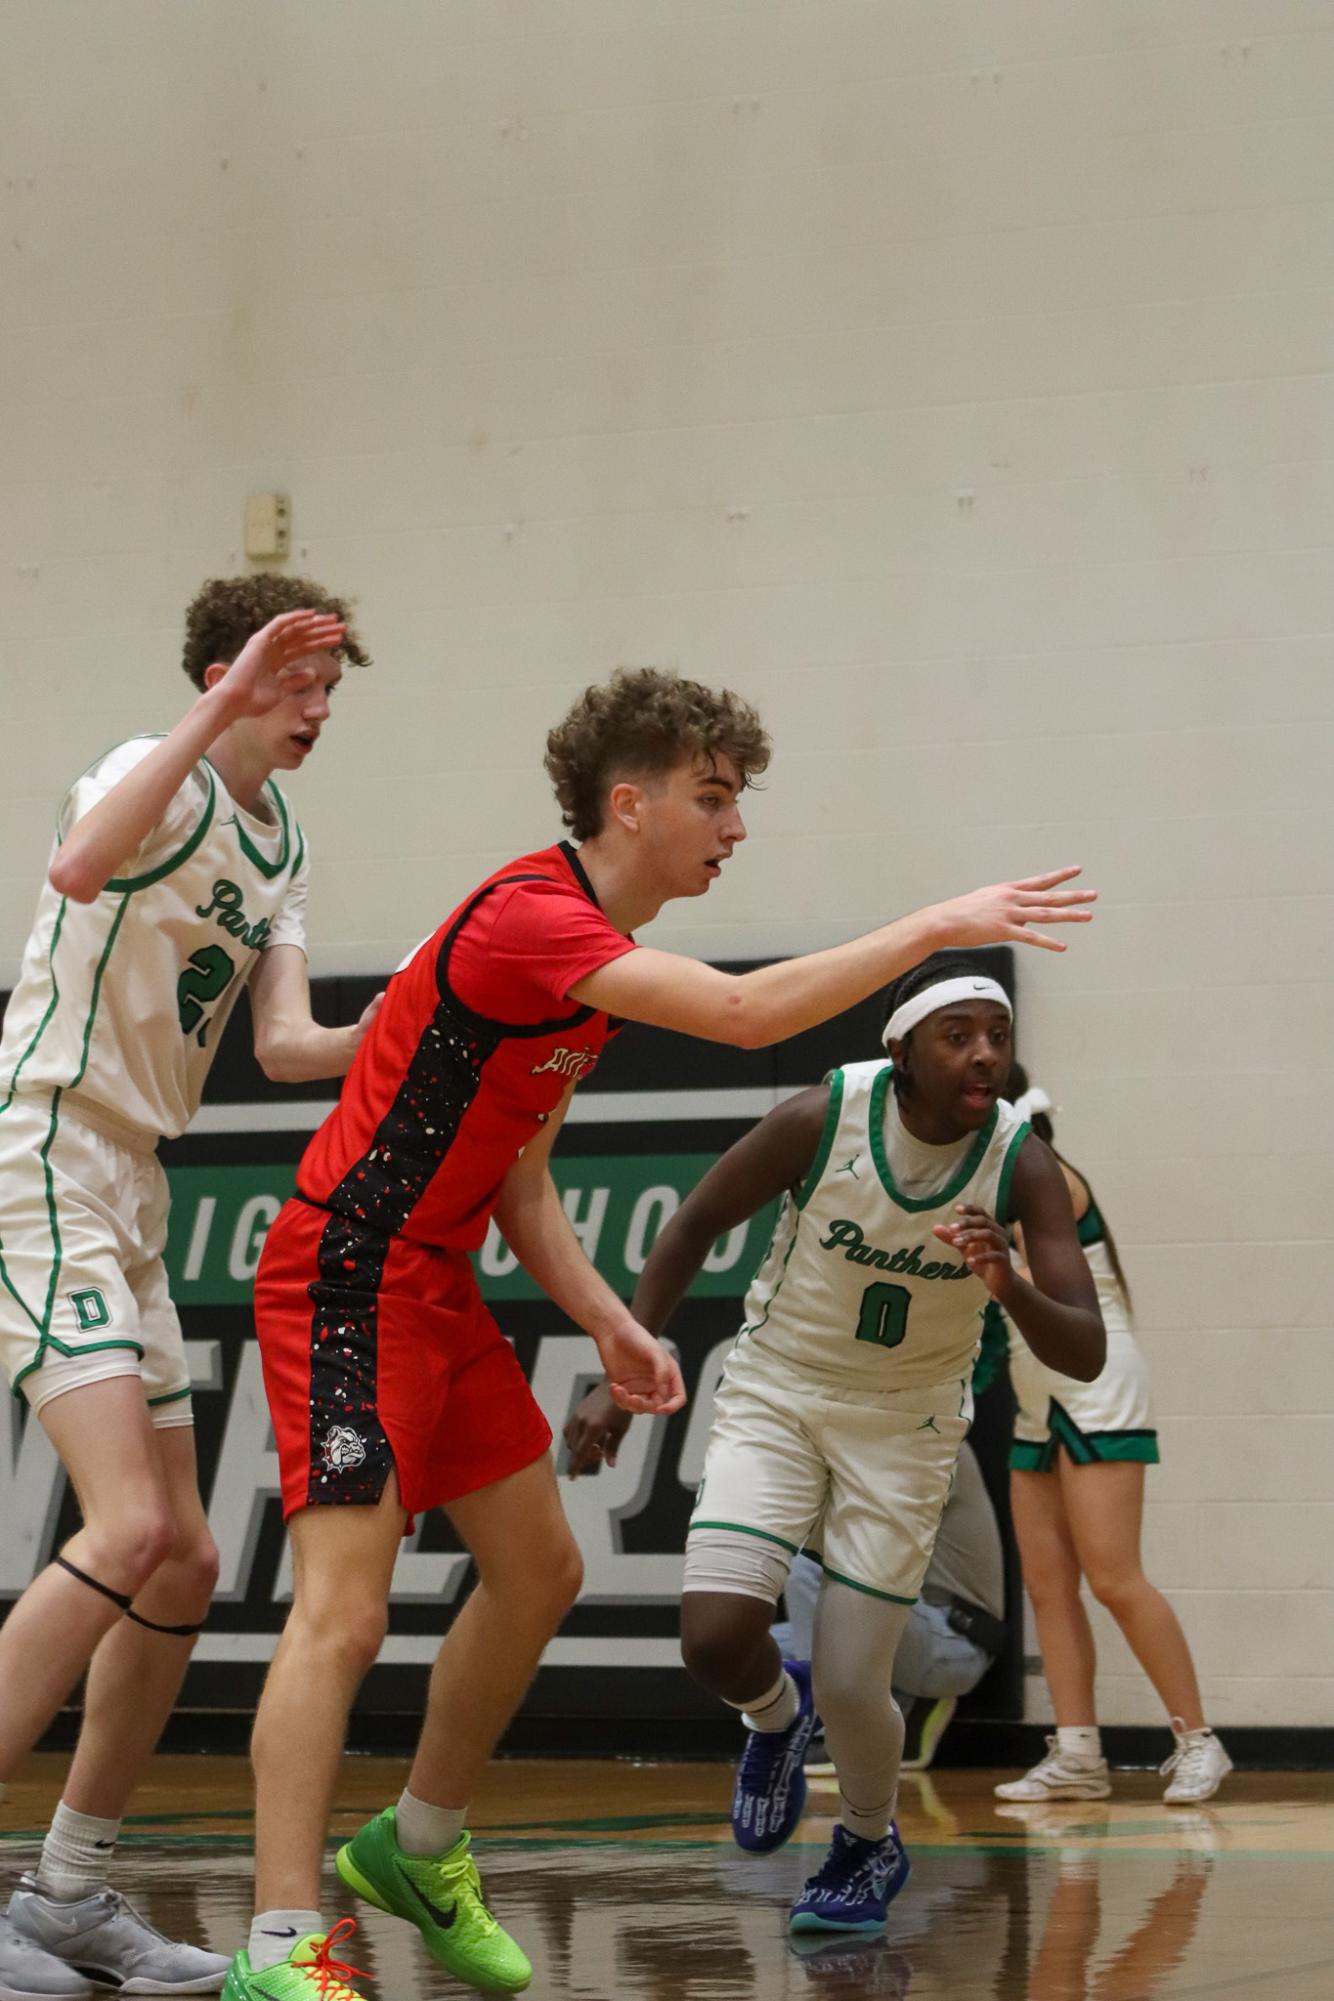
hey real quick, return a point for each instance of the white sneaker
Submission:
(1197, 1767)
(1060, 1777)
(105, 1943)
(29, 1974)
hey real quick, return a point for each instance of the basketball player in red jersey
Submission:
(391, 1387)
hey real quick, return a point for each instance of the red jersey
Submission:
(472, 1050)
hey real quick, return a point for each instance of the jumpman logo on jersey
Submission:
(850, 1166)
(929, 1424)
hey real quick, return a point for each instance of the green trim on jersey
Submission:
(122, 884)
(127, 884)
(752, 1326)
(172, 1396)
(253, 854)
(43, 1325)
(963, 1174)
(18, 1300)
(1007, 1174)
(77, 1079)
(833, 1113)
(741, 1528)
(890, 1597)
(51, 1006)
(54, 1221)
(71, 1354)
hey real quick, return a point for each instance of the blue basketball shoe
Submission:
(856, 1885)
(769, 1796)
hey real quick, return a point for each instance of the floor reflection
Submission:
(1121, 1901)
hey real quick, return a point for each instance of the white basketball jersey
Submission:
(121, 1002)
(855, 1289)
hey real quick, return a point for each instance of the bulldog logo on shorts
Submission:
(343, 1449)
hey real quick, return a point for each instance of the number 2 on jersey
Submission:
(207, 975)
(884, 1315)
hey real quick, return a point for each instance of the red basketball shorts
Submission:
(379, 1355)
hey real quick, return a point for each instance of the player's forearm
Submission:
(301, 1053)
(110, 832)
(1070, 1339)
(777, 1001)
(534, 1225)
(673, 1264)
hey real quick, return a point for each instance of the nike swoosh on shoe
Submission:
(443, 1918)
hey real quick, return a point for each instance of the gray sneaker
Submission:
(102, 1938)
(29, 1974)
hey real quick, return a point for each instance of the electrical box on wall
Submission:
(268, 525)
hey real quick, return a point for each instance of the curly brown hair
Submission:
(227, 611)
(641, 723)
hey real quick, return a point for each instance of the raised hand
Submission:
(275, 662)
(1003, 913)
(984, 1246)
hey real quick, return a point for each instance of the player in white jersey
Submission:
(845, 1399)
(1077, 1495)
(178, 873)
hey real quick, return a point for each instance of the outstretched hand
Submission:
(1003, 913)
(983, 1244)
(275, 661)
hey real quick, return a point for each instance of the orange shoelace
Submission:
(334, 1977)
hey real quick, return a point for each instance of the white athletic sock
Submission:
(423, 1829)
(274, 1933)
(777, 1709)
(76, 1854)
(1081, 1741)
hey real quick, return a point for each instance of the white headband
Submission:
(1035, 1099)
(931, 999)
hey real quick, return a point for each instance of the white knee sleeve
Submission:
(744, 1566)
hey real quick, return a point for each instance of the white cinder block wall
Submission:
(954, 376)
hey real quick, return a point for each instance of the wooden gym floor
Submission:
(622, 1883)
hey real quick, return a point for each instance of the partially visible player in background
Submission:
(1077, 1497)
(178, 874)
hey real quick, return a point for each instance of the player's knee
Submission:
(194, 1559)
(569, 1580)
(125, 1550)
(559, 1580)
(539, 1583)
(716, 1635)
(353, 1640)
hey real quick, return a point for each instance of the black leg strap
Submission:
(176, 1632)
(116, 1597)
(119, 1598)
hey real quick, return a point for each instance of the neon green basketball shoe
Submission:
(442, 1896)
(309, 1973)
